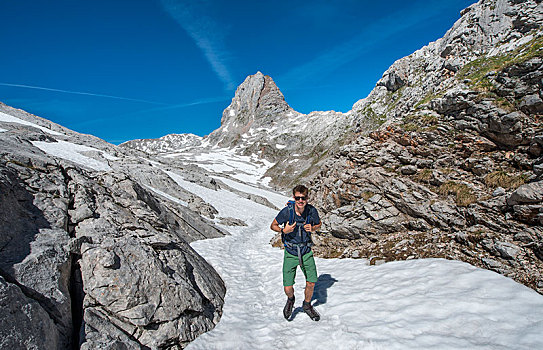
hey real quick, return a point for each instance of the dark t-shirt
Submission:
(299, 235)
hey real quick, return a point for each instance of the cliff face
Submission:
(455, 169)
(487, 33)
(257, 103)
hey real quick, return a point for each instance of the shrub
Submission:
(464, 196)
(424, 175)
(367, 195)
(501, 179)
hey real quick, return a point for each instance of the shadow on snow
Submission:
(320, 293)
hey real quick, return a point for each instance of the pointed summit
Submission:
(257, 102)
(257, 97)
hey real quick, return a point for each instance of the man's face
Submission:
(301, 201)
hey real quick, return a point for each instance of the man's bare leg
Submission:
(309, 287)
(289, 291)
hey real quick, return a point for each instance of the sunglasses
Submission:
(301, 198)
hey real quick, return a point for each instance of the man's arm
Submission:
(275, 226)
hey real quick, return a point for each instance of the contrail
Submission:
(82, 93)
(206, 33)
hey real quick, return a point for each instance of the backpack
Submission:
(291, 220)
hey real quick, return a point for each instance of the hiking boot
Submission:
(287, 310)
(310, 311)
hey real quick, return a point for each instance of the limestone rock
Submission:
(527, 194)
(101, 247)
(24, 323)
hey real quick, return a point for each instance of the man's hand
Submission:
(289, 228)
(308, 228)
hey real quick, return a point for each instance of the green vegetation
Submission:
(477, 70)
(464, 196)
(410, 127)
(429, 97)
(392, 98)
(389, 169)
(374, 118)
(502, 179)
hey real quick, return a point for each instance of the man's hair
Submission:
(300, 189)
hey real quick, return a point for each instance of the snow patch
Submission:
(70, 151)
(11, 119)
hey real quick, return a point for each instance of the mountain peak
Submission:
(259, 96)
(258, 101)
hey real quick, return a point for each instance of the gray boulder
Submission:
(527, 194)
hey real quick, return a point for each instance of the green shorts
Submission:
(290, 264)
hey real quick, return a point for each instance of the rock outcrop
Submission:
(454, 171)
(93, 245)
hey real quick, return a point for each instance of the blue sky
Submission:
(123, 70)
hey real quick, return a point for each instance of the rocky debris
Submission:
(98, 259)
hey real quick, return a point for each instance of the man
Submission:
(300, 220)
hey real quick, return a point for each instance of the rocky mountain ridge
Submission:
(455, 169)
(259, 122)
(165, 144)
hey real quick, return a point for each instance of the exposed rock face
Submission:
(257, 103)
(97, 257)
(455, 171)
(486, 32)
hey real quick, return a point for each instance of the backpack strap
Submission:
(308, 217)
(290, 205)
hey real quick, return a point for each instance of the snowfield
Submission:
(416, 304)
